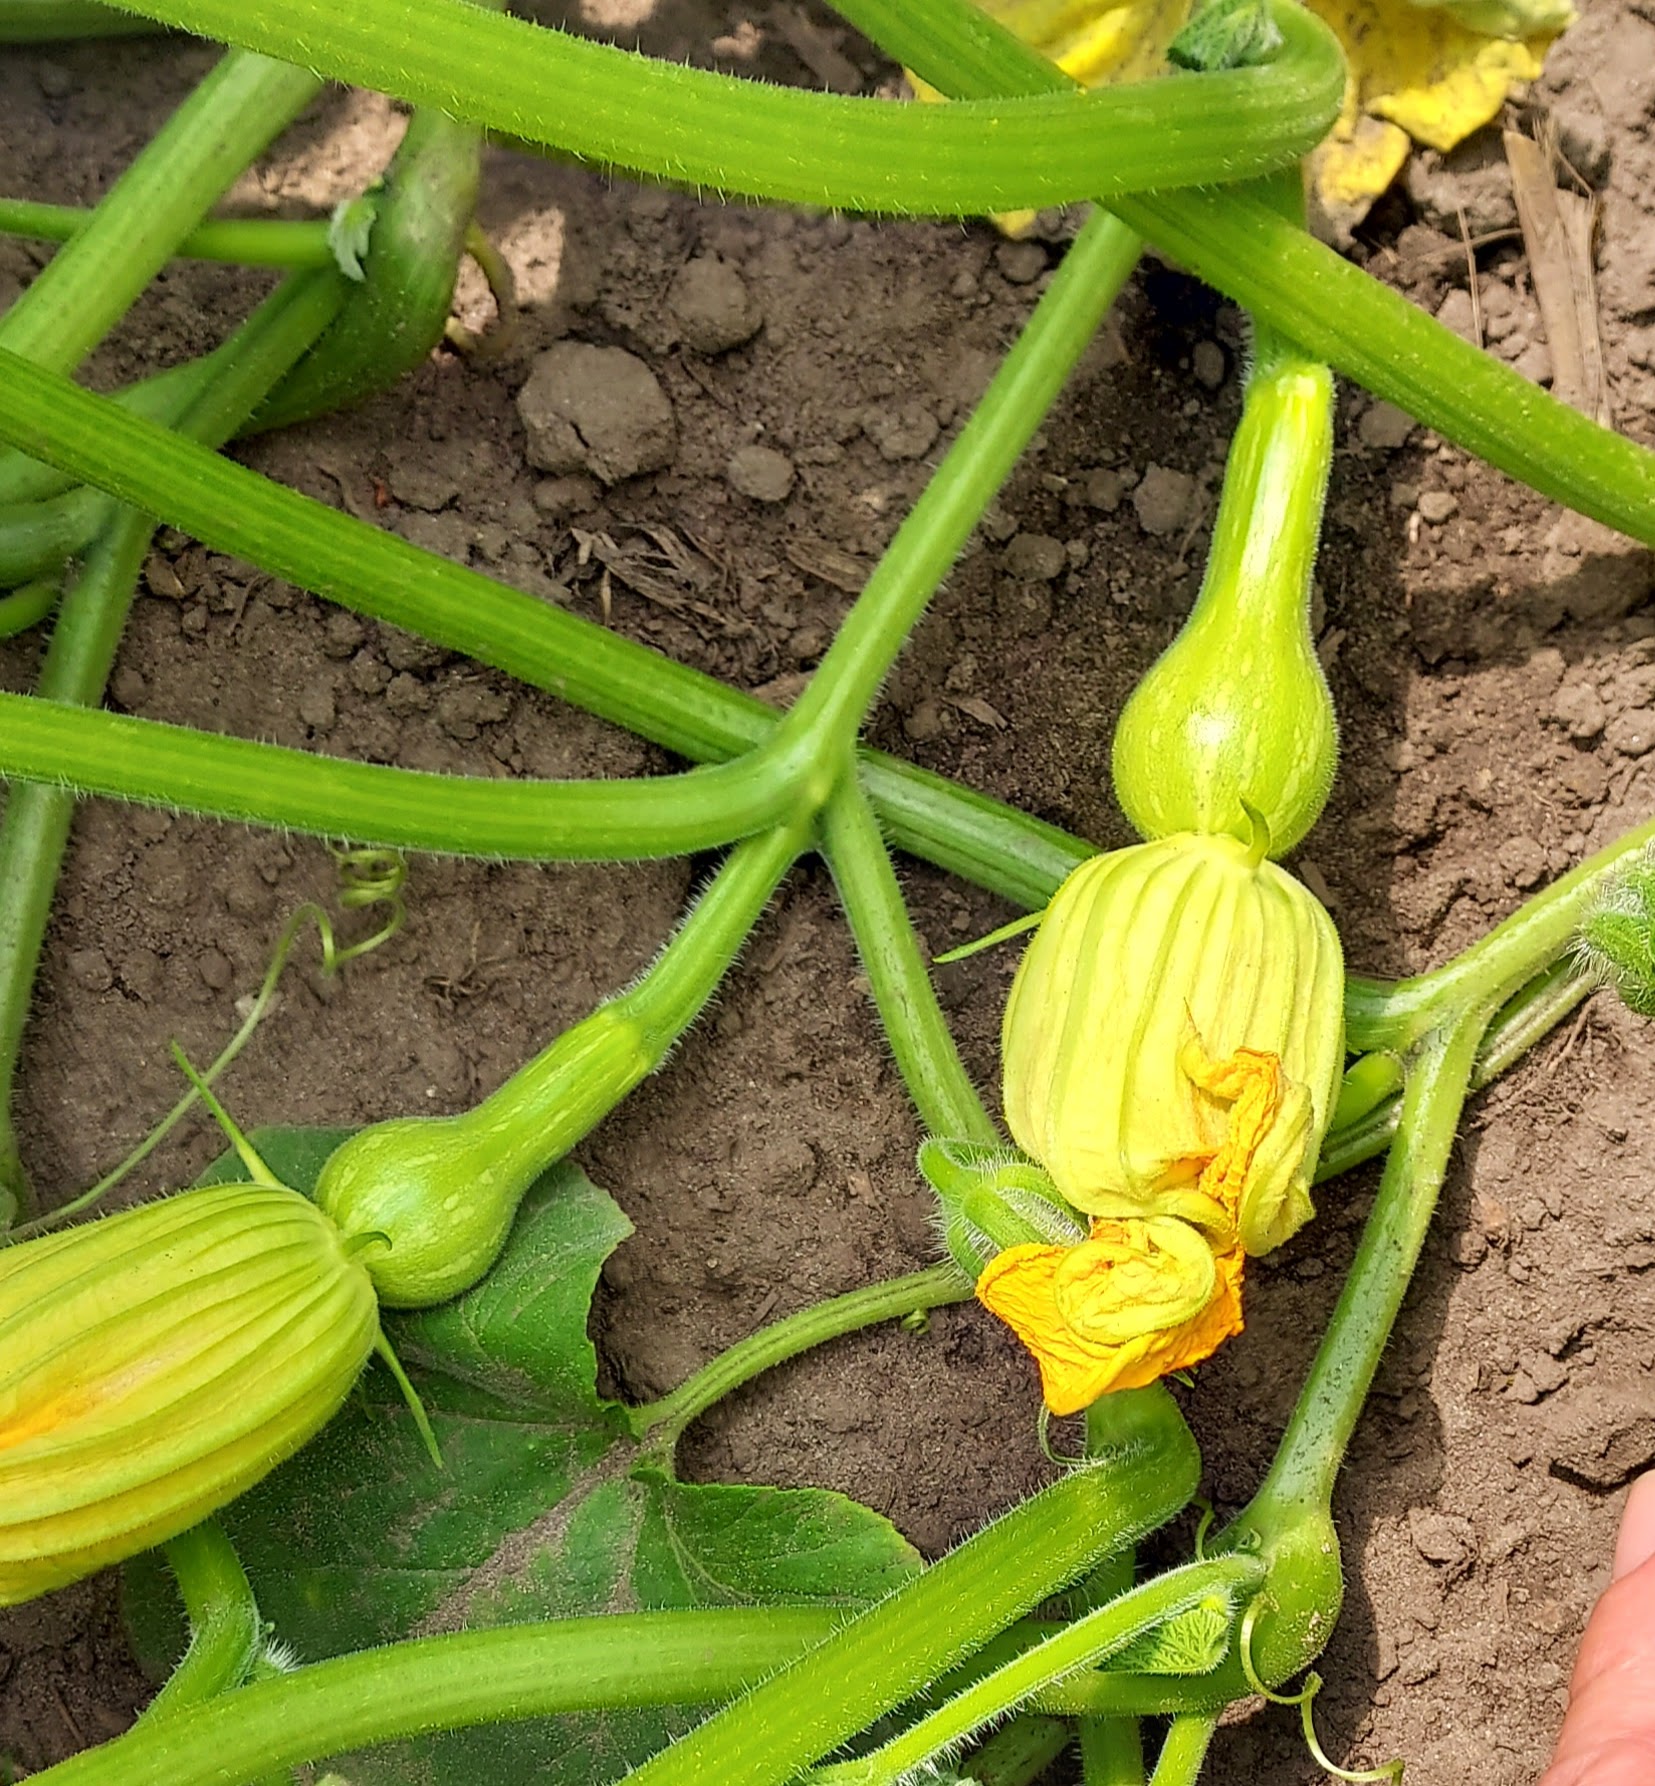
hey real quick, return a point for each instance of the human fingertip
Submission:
(1636, 1543)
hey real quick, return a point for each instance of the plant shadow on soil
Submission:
(1492, 677)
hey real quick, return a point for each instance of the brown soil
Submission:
(1493, 668)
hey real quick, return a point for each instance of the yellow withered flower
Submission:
(1172, 1049)
(155, 1364)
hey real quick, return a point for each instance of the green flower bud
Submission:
(155, 1364)
(1617, 940)
(1234, 721)
(993, 1199)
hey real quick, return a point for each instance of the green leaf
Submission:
(545, 1508)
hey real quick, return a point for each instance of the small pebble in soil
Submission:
(924, 722)
(1578, 708)
(1436, 506)
(1207, 363)
(1522, 861)
(215, 970)
(1163, 500)
(1534, 363)
(1035, 557)
(596, 409)
(558, 498)
(1384, 428)
(1445, 1538)
(902, 431)
(1603, 1436)
(405, 694)
(316, 704)
(761, 473)
(342, 635)
(1631, 733)
(1473, 180)
(712, 306)
(1455, 313)
(90, 970)
(464, 709)
(367, 674)
(1020, 263)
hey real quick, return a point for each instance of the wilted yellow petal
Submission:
(1135, 1301)
(1414, 69)
(1092, 43)
(1435, 70)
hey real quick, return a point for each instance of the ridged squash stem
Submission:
(1020, 1752)
(1217, 1585)
(1241, 244)
(680, 124)
(1235, 718)
(192, 161)
(905, 1641)
(417, 216)
(662, 1421)
(287, 242)
(1288, 1523)
(27, 606)
(37, 536)
(443, 1190)
(1497, 966)
(467, 1678)
(1111, 1749)
(1024, 387)
(346, 560)
(920, 1039)
(54, 21)
(34, 829)
(1184, 1749)
(226, 1631)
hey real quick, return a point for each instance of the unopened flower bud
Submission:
(1175, 1036)
(155, 1364)
(1172, 1051)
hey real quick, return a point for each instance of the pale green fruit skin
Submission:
(1236, 713)
(1139, 948)
(156, 1364)
(437, 1191)
(443, 1190)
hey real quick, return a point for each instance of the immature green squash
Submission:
(1236, 714)
(155, 1364)
(442, 1191)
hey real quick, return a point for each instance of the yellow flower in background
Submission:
(1433, 72)
(1171, 1052)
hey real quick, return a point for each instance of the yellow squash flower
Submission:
(1430, 70)
(1171, 1052)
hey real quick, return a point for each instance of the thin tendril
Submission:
(366, 877)
(488, 344)
(1304, 1699)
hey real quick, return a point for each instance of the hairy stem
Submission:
(913, 1021)
(236, 112)
(709, 131)
(661, 1422)
(225, 1628)
(246, 241)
